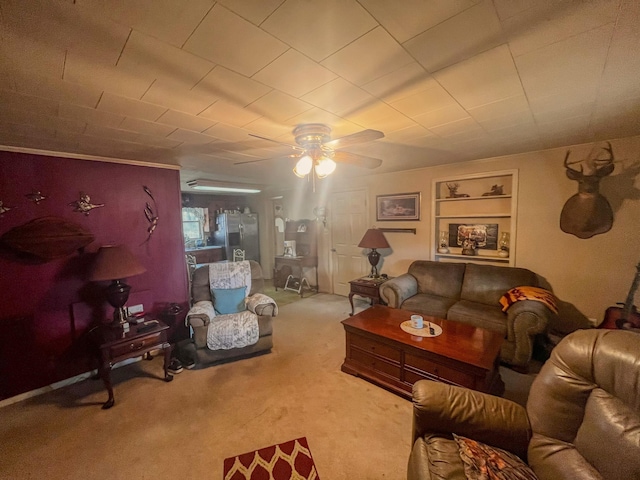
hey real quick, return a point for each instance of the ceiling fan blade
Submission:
(295, 147)
(281, 157)
(357, 160)
(355, 138)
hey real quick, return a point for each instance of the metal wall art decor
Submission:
(35, 196)
(150, 215)
(483, 235)
(403, 206)
(3, 208)
(588, 213)
(47, 238)
(84, 205)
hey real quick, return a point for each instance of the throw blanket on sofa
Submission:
(259, 299)
(529, 293)
(235, 330)
(230, 275)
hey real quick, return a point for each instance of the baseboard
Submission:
(62, 383)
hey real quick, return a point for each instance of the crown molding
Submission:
(81, 156)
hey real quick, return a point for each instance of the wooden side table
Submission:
(115, 346)
(366, 287)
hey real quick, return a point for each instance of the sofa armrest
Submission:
(198, 318)
(445, 409)
(395, 291)
(525, 320)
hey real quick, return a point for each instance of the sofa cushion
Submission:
(487, 283)
(483, 462)
(428, 304)
(229, 300)
(479, 315)
(438, 278)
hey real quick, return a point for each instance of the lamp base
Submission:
(374, 258)
(117, 296)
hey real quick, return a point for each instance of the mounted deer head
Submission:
(588, 213)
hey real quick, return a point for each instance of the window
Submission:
(195, 222)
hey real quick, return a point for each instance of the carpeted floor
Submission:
(186, 428)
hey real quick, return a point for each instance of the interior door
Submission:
(349, 222)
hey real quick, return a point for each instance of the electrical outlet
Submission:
(135, 309)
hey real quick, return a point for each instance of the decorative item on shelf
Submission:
(485, 235)
(84, 205)
(504, 245)
(374, 239)
(116, 262)
(35, 196)
(495, 190)
(302, 228)
(152, 218)
(453, 191)
(289, 248)
(469, 246)
(588, 213)
(3, 208)
(402, 206)
(321, 214)
(443, 242)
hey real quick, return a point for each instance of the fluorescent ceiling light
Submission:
(211, 186)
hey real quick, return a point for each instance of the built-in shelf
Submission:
(494, 214)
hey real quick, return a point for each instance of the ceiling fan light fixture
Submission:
(324, 167)
(303, 167)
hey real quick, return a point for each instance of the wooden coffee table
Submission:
(378, 350)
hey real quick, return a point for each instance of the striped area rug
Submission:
(285, 461)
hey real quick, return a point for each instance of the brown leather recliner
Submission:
(582, 419)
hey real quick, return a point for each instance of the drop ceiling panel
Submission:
(223, 83)
(11, 100)
(398, 84)
(115, 133)
(145, 127)
(279, 106)
(176, 97)
(458, 38)
(319, 32)
(253, 48)
(431, 96)
(89, 115)
(441, 116)
(369, 57)
(227, 133)
(256, 11)
(129, 107)
(227, 112)
(185, 121)
(302, 74)
(381, 116)
(189, 136)
(58, 90)
(339, 97)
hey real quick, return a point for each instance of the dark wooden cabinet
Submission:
(304, 233)
(207, 254)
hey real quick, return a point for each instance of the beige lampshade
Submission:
(374, 238)
(115, 262)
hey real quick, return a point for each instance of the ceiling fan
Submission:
(316, 150)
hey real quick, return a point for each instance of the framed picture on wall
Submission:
(401, 206)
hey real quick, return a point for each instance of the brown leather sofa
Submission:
(582, 419)
(195, 349)
(470, 293)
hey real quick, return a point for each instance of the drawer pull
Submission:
(136, 346)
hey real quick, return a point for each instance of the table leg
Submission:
(167, 359)
(351, 302)
(105, 372)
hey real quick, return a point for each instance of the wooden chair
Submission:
(238, 255)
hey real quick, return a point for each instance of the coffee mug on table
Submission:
(417, 321)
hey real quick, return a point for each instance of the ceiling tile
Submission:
(509, 8)
(339, 97)
(369, 57)
(573, 66)
(150, 56)
(279, 106)
(302, 74)
(176, 97)
(146, 128)
(398, 84)
(10, 99)
(223, 83)
(458, 38)
(550, 21)
(485, 78)
(319, 32)
(409, 135)
(253, 10)
(189, 136)
(381, 116)
(467, 128)
(415, 16)
(129, 107)
(507, 106)
(265, 127)
(441, 116)
(253, 47)
(154, 141)
(227, 133)
(167, 20)
(223, 111)
(103, 76)
(115, 133)
(317, 115)
(29, 56)
(430, 96)
(58, 90)
(185, 121)
(89, 115)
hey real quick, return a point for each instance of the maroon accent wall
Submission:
(47, 308)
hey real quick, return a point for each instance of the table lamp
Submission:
(116, 262)
(373, 239)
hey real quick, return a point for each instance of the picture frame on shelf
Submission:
(485, 235)
(400, 206)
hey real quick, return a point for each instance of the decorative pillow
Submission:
(229, 300)
(482, 462)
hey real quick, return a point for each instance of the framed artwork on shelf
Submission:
(484, 235)
(401, 206)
